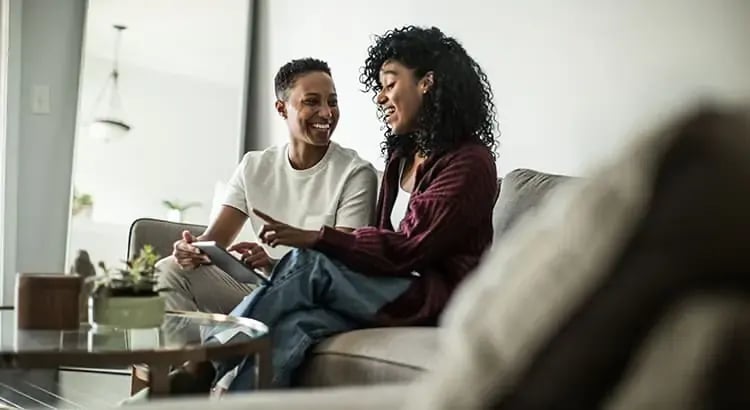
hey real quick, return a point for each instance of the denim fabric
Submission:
(309, 298)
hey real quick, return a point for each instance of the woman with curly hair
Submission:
(437, 107)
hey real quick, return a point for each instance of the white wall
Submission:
(185, 138)
(573, 80)
(197, 38)
(45, 44)
(182, 85)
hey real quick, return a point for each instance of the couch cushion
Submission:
(371, 356)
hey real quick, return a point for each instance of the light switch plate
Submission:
(40, 99)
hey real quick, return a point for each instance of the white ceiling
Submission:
(199, 38)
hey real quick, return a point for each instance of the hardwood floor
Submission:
(61, 389)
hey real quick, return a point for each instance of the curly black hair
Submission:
(288, 73)
(457, 108)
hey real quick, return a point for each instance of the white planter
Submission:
(126, 312)
(144, 339)
(174, 215)
(84, 213)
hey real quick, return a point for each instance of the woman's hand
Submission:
(187, 255)
(253, 255)
(276, 233)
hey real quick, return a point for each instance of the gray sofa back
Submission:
(519, 191)
(522, 190)
(158, 233)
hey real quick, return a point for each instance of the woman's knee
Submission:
(169, 272)
(167, 263)
(300, 260)
(310, 255)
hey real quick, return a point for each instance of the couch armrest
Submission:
(158, 233)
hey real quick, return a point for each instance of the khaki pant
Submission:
(205, 289)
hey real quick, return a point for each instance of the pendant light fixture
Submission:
(109, 121)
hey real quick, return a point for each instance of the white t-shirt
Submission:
(339, 191)
(401, 205)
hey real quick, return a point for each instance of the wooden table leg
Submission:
(138, 378)
(158, 380)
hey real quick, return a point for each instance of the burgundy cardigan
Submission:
(447, 228)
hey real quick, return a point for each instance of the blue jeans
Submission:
(310, 297)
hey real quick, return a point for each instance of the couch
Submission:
(381, 355)
(626, 290)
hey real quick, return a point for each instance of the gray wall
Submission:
(47, 36)
(259, 81)
(10, 184)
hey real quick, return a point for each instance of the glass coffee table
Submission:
(181, 338)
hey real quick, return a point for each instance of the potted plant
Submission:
(176, 209)
(82, 204)
(128, 297)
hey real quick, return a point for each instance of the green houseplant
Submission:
(176, 209)
(82, 203)
(127, 297)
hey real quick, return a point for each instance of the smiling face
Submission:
(311, 108)
(401, 96)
